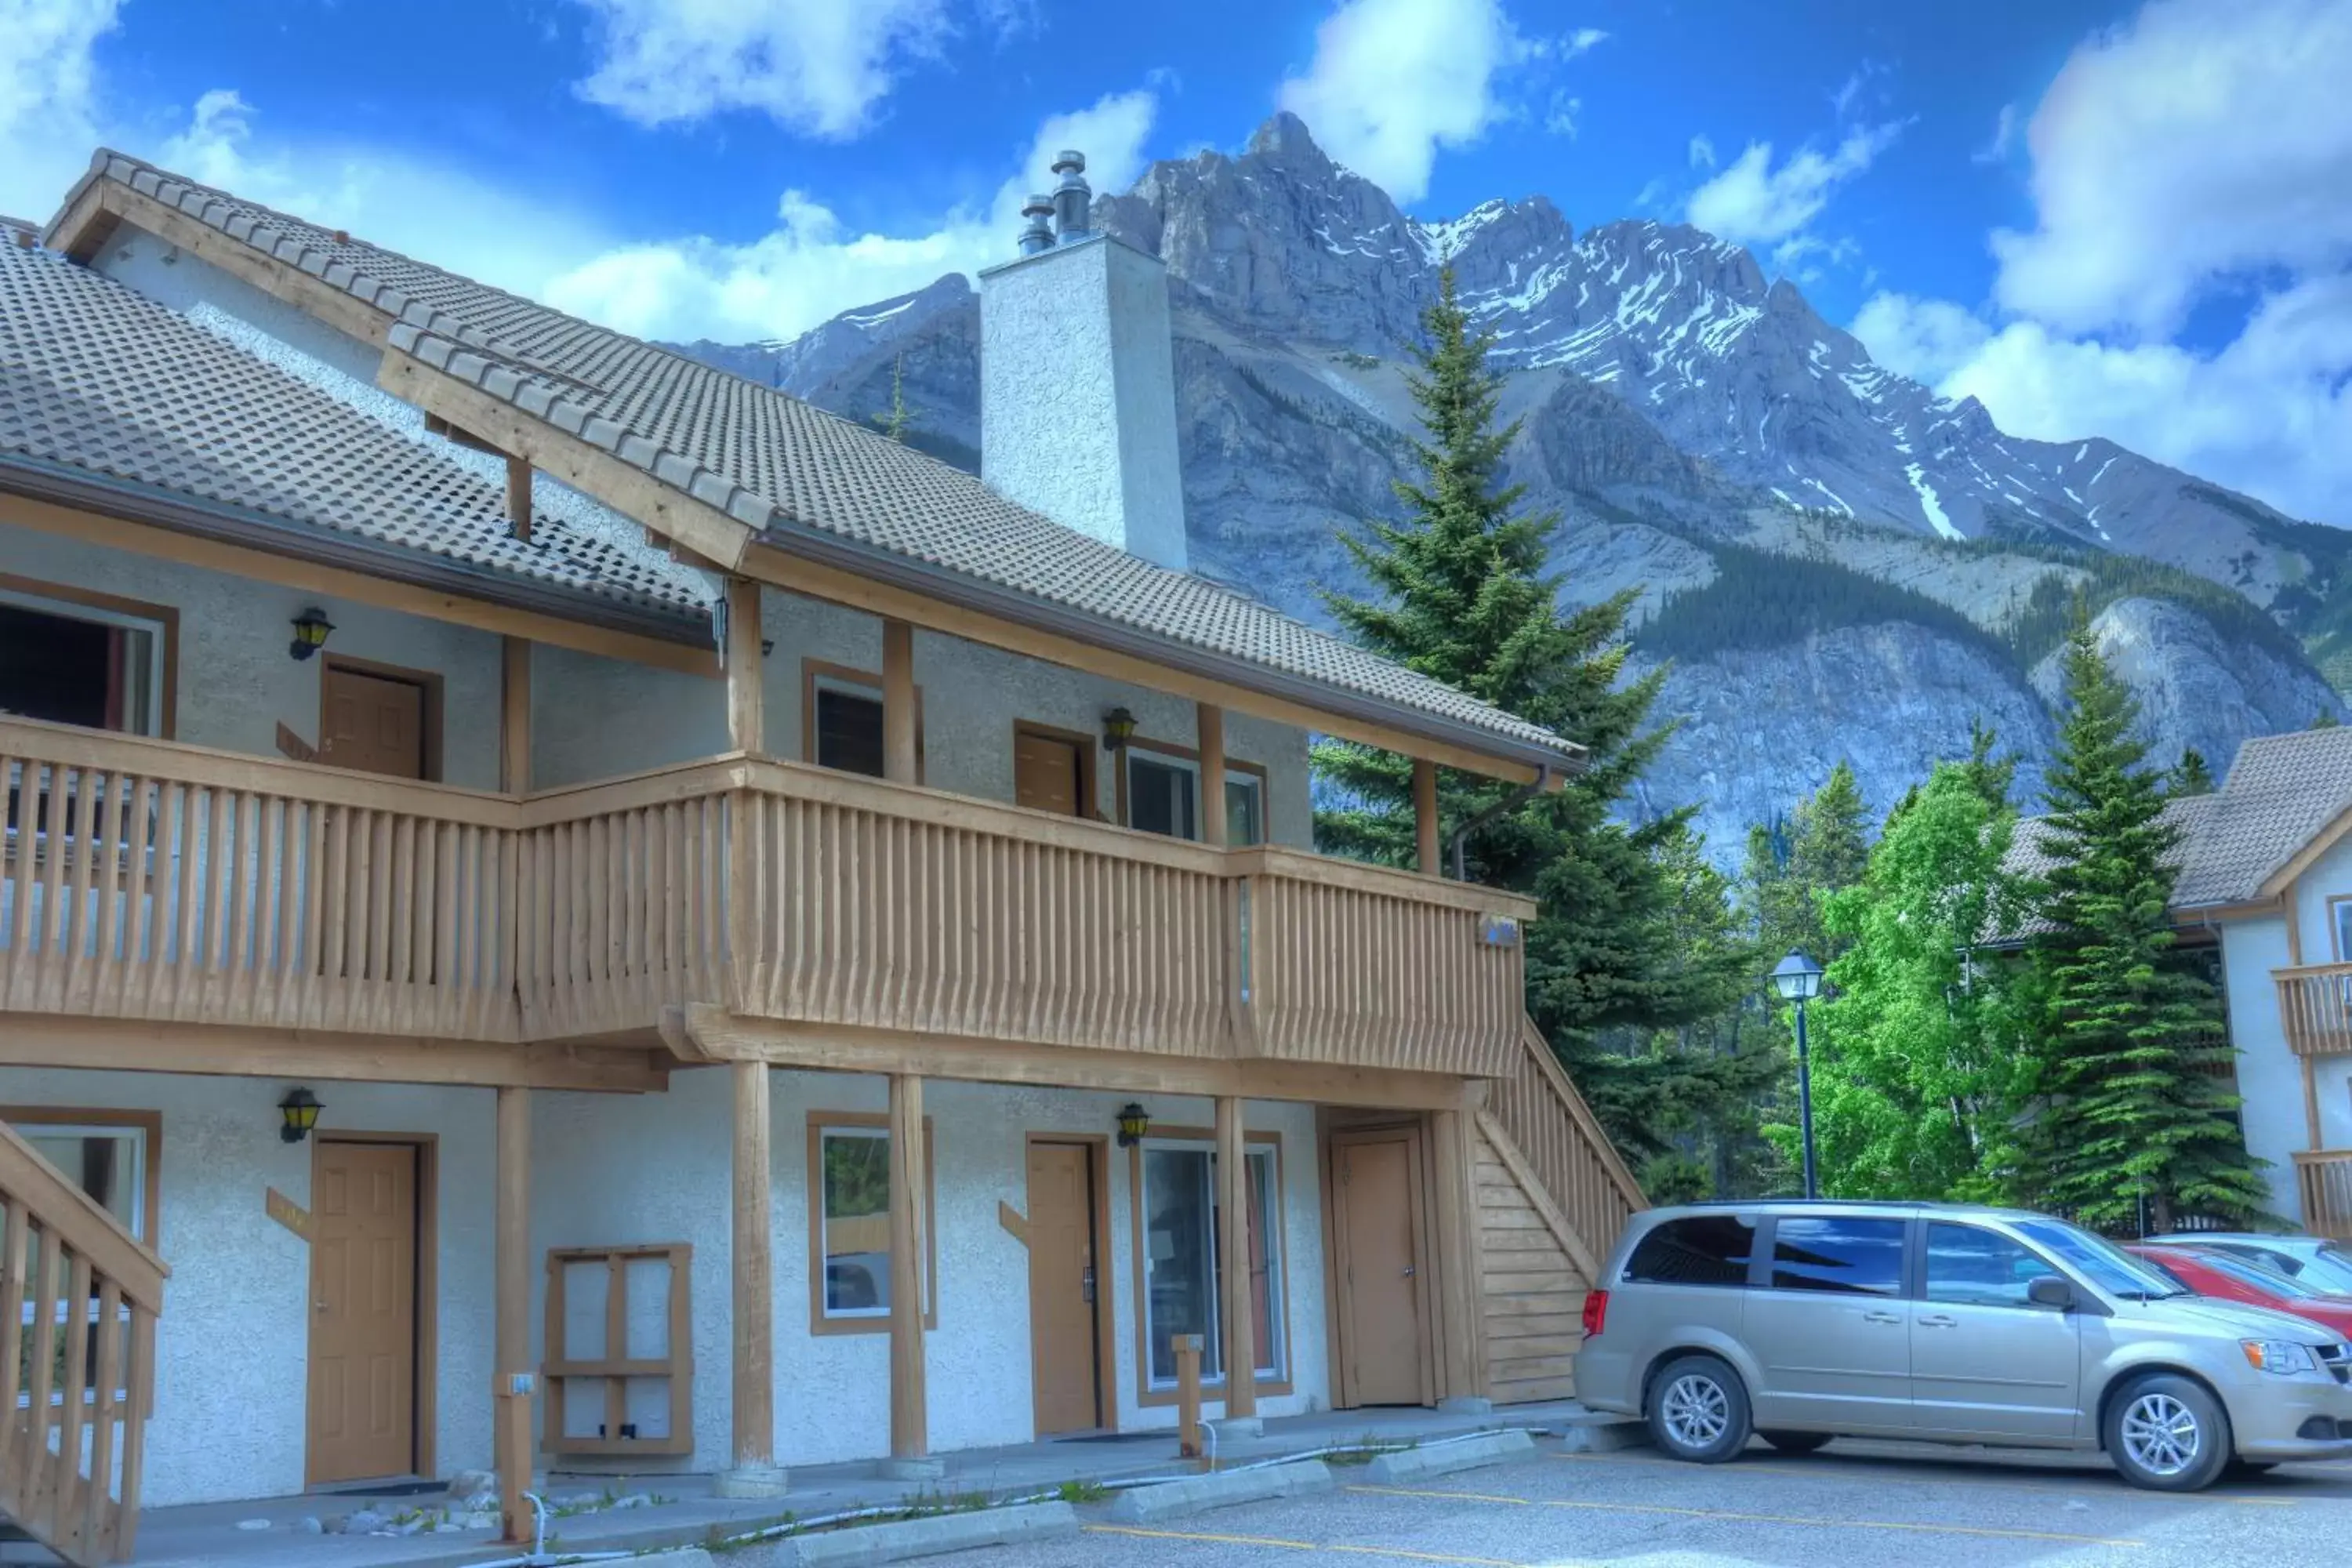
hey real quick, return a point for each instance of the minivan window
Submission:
(1847, 1256)
(2108, 1265)
(1703, 1249)
(1972, 1267)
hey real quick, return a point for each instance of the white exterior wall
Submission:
(231, 1398)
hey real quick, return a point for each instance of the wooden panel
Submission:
(2323, 1179)
(370, 722)
(1048, 773)
(363, 1358)
(1537, 1112)
(1533, 1290)
(1377, 1202)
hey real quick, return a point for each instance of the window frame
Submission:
(818, 674)
(65, 599)
(54, 1120)
(2338, 905)
(1908, 1266)
(1238, 769)
(866, 1124)
(1271, 1383)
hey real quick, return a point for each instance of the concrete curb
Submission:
(684, 1557)
(1444, 1459)
(1196, 1494)
(874, 1544)
(1603, 1435)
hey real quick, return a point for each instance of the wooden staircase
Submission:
(1552, 1197)
(78, 1301)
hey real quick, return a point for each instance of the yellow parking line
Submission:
(1746, 1467)
(1736, 1518)
(1299, 1545)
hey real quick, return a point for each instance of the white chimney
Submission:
(1077, 380)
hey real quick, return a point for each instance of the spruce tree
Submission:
(2127, 1123)
(2189, 776)
(1460, 591)
(898, 419)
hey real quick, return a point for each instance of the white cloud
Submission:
(815, 67)
(2004, 137)
(1753, 202)
(48, 114)
(808, 268)
(1561, 117)
(1581, 42)
(1393, 80)
(1702, 153)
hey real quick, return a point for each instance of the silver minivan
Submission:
(1801, 1321)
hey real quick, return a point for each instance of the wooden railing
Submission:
(1541, 1114)
(145, 880)
(78, 1300)
(2323, 1180)
(2314, 1005)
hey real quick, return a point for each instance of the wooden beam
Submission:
(213, 1050)
(899, 702)
(836, 587)
(514, 715)
(1210, 720)
(753, 1269)
(510, 1408)
(2311, 1102)
(718, 1035)
(747, 699)
(910, 1406)
(1461, 1317)
(1424, 819)
(584, 466)
(519, 497)
(343, 582)
(1239, 1319)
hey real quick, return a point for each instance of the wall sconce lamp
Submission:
(1119, 729)
(298, 1112)
(310, 629)
(1133, 1123)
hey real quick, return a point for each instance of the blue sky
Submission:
(2102, 216)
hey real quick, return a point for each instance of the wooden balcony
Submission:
(2314, 1005)
(149, 880)
(2323, 1179)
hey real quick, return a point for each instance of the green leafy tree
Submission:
(1460, 591)
(2126, 1122)
(2189, 776)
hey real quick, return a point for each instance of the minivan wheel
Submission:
(2168, 1434)
(1698, 1410)
(1795, 1442)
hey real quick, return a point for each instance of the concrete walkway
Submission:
(678, 1510)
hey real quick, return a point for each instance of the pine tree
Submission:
(898, 419)
(2127, 1125)
(2189, 776)
(1824, 846)
(1460, 592)
(1989, 776)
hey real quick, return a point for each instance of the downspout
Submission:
(1511, 802)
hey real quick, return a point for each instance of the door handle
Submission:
(1938, 1321)
(1882, 1318)
(1408, 1270)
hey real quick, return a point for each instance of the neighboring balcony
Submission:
(145, 880)
(2315, 1005)
(2323, 1179)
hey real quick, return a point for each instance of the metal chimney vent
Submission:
(1039, 235)
(1073, 200)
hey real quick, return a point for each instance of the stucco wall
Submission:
(231, 1400)
(2270, 1080)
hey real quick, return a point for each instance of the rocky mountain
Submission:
(1838, 562)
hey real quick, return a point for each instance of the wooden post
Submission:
(898, 701)
(1213, 774)
(514, 715)
(910, 1412)
(754, 1270)
(746, 695)
(518, 496)
(1188, 1395)
(1240, 1324)
(510, 1408)
(1424, 816)
(1461, 1359)
(2311, 1102)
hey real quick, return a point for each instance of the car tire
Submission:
(1795, 1442)
(1698, 1410)
(2168, 1434)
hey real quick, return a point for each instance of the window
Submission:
(849, 1224)
(1181, 1268)
(76, 658)
(2339, 920)
(1839, 1253)
(109, 1155)
(1972, 1267)
(841, 719)
(1163, 797)
(1709, 1250)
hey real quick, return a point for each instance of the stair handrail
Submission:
(55, 1202)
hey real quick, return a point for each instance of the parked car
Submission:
(2210, 1271)
(1801, 1321)
(2313, 1259)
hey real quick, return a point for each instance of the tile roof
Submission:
(96, 377)
(775, 462)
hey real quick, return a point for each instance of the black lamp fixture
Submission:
(1133, 1123)
(298, 1112)
(310, 629)
(1119, 729)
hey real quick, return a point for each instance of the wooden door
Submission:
(1064, 1338)
(371, 722)
(1049, 774)
(1377, 1208)
(362, 1311)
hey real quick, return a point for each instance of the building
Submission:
(588, 912)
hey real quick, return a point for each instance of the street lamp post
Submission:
(1797, 979)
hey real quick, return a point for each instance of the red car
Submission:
(2213, 1273)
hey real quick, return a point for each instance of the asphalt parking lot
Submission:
(1851, 1505)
